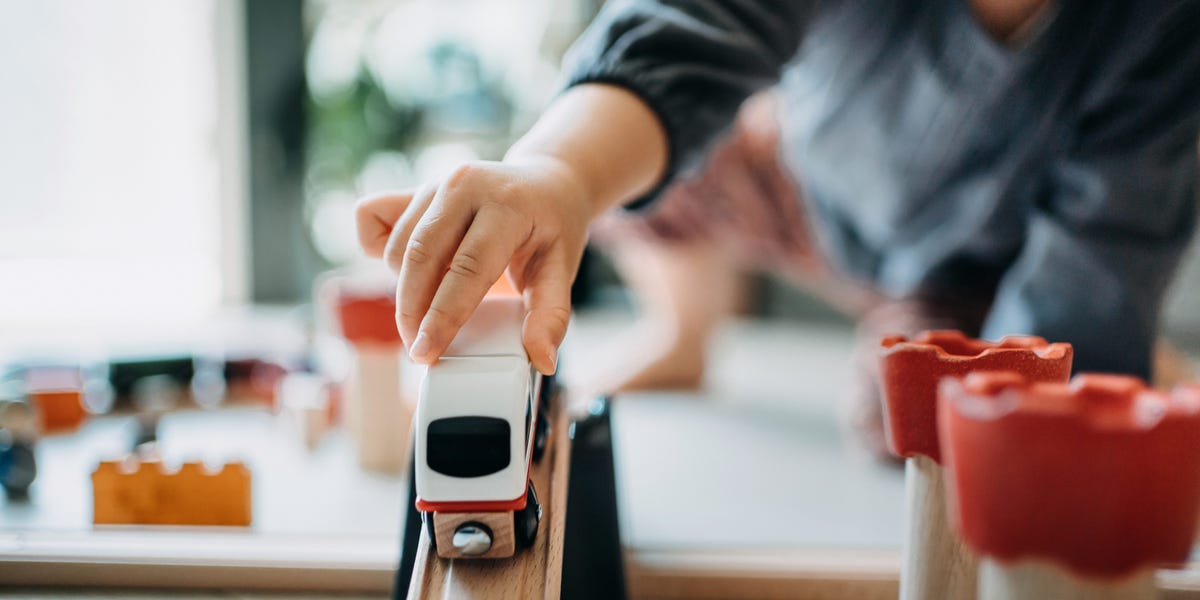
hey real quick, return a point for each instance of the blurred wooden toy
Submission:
(255, 379)
(145, 431)
(480, 427)
(125, 373)
(18, 466)
(153, 397)
(1071, 491)
(376, 413)
(306, 399)
(935, 564)
(143, 492)
(56, 394)
(18, 436)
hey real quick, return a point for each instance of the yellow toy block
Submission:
(141, 492)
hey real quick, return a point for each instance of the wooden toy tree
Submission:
(377, 414)
(935, 565)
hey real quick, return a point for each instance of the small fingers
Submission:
(494, 235)
(375, 217)
(435, 238)
(397, 241)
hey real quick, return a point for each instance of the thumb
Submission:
(375, 216)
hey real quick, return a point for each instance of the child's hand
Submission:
(452, 239)
(595, 146)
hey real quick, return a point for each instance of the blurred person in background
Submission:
(995, 166)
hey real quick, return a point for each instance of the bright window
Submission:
(111, 195)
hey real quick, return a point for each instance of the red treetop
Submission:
(368, 319)
(1101, 475)
(912, 368)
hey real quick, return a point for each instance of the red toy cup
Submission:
(1100, 476)
(912, 368)
(368, 319)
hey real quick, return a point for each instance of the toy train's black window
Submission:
(468, 446)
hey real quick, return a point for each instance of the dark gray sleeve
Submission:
(1118, 213)
(692, 61)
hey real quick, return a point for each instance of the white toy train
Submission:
(480, 425)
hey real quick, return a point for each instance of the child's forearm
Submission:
(604, 136)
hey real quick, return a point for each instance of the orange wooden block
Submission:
(58, 410)
(133, 492)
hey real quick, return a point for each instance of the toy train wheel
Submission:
(547, 391)
(427, 519)
(526, 520)
(541, 436)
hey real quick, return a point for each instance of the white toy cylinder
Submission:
(936, 564)
(377, 415)
(1028, 579)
